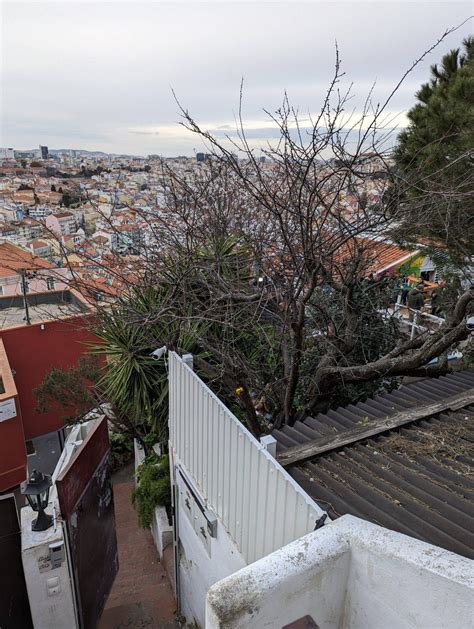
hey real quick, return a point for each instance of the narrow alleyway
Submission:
(142, 594)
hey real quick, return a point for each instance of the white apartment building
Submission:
(7, 153)
(11, 212)
(39, 212)
(62, 223)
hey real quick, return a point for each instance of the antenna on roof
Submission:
(22, 273)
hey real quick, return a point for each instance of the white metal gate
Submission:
(258, 502)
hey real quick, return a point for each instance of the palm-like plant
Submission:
(132, 380)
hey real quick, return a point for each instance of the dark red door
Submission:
(14, 604)
(87, 506)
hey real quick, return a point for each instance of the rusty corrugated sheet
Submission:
(417, 480)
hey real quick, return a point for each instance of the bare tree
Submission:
(261, 267)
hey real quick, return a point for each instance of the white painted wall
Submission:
(199, 569)
(51, 607)
(259, 507)
(349, 574)
(161, 530)
(399, 582)
(308, 576)
(139, 456)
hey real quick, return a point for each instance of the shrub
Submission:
(153, 490)
(121, 449)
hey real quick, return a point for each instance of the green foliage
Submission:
(235, 349)
(132, 376)
(176, 315)
(436, 150)
(69, 391)
(153, 490)
(375, 337)
(71, 199)
(441, 123)
(121, 449)
(133, 381)
(468, 353)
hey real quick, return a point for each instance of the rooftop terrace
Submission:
(41, 307)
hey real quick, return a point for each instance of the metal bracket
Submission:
(320, 521)
(210, 516)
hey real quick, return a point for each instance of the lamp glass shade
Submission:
(43, 498)
(36, 489)
(33, 501)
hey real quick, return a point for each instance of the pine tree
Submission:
(437, 148)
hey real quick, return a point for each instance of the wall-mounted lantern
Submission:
(36, 489)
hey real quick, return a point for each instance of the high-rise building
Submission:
(24, 154)
(200, 157)
(7, 153)
(44, 152)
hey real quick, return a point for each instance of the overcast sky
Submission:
(98, 76)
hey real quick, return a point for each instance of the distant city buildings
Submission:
(61, 223)
(7, 153)
(88, 215)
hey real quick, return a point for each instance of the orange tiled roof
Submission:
(63, 215)
(383, 255)
(378, 255)
(13, 258)
(38, 242)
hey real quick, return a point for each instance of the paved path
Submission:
(141, 596)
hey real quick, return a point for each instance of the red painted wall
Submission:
(32, 352)
(12, 451)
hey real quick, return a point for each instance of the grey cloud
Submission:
(386, 137)
(109, 66)
(134, 132)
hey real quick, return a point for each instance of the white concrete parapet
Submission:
(350, 573)
(161, 530)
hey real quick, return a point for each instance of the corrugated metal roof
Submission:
(418, 480)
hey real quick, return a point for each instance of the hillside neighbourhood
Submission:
(237, 387)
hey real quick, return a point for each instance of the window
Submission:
(50, 283)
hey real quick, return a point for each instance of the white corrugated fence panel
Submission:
(258, 502)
